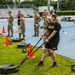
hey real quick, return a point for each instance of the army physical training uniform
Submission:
(53, 42)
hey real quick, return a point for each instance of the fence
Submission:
(19, 6)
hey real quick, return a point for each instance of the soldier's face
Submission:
(20, 16)
(46, 14)
(54, 20)
(35, 13)
(19, 12)
(9, 14)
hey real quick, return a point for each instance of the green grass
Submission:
(13, 55)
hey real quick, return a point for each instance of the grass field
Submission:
(13, 55)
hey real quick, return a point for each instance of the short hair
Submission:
(22, 15)
(9, 12)
(35, 11)
(19, 11)
(46, 12)
(51, 11)
(54, 16)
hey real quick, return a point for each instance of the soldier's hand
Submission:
(41, 26)
(41, 37)
(37, 25)
(46, 40)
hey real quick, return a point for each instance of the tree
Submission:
(3, 1)
(68, 4)
(43, 2)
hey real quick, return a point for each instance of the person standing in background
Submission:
(10, 24)
(46, 21)
(37, 19)
(23, 28)
(19, 26)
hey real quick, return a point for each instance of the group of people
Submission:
(51, 34)
(20, 22)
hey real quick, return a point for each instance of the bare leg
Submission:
(53, 58)
(53, 55)
(44, 54)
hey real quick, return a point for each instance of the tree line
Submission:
(63, 4)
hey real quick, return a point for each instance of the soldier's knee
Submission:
(45, 50)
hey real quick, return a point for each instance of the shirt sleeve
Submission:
(49, 23)
(57, 27)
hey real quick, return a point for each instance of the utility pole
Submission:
(48, 5)
(57, 4)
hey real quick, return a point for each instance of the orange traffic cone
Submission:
(3, 30)
(30, 53)
(7, 41)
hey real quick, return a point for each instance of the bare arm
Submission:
(45, 32)
(52, 34)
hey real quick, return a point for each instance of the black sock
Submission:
(54, 63)
(41, 61)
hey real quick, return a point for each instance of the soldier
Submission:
(47, 19)
(51, 12)
(19, 27)
(10, 24)
(22, 24)
(51, 41)
(43, 15)
(37, 19)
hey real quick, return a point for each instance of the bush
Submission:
(65, 12)
(40, 13)
(62, 13)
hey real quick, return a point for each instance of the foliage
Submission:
(69, 4)
(3, 2)
(68, 12)
(43, 3)
(6, 2)
(64, 4)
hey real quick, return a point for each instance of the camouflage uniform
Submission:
(43, 15)
(19, 26)
(47, 20)
(10, 25)
(37, 19)
(22, 23)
